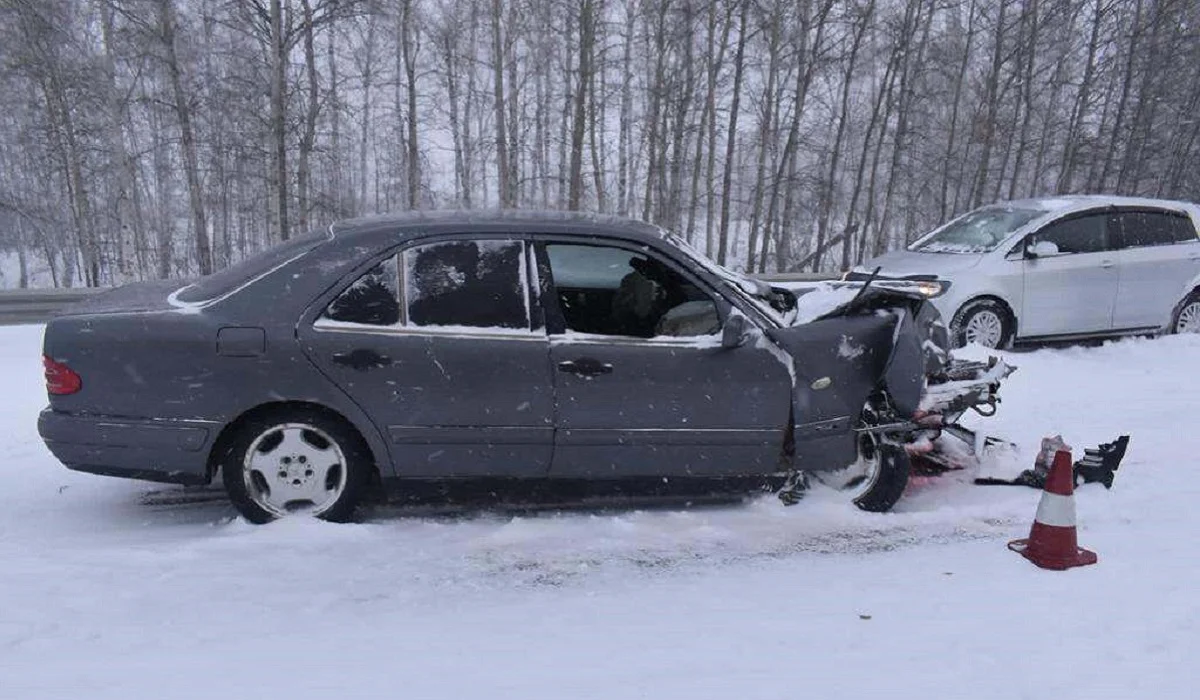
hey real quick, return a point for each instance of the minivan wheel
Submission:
(1187, 318)
(984, 322)
(296, 461)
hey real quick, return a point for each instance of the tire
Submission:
(877, 479)
(987, 322)
(1187, 316)
(889, 482)
(296, 459)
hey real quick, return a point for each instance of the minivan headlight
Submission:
(933, 288)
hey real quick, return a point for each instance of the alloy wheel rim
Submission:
(984, 328)
(294, 467)
(859, 478)
(1189, 319)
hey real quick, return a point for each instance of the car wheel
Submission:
(878, 477)
(984, 322)
(1187, 318)
(296, 461)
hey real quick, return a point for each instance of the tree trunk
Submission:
(502, 171)
(579, 125)
(624, 127)
(739, 65)
(409, 47)
(1115, 137)
(991, 107)
(825, 207)
(309, 135)
(279, 173)
(1079, 111)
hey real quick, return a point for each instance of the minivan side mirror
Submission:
(1041, 249)
(735, 332)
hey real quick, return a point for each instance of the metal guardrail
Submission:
(19, 306)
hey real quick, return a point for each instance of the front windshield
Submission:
(778, 304)
(980, 231)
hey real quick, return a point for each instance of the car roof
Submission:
(411, 224)
(1076, 202)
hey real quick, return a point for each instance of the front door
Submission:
(642, 384)
(1075, 290)
(437, 346)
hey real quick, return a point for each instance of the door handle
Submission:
(586, 367)
(1106, 263)
(361, 359)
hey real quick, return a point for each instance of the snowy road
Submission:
(104, 597)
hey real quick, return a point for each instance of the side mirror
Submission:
(1042, 249)
(735, 331)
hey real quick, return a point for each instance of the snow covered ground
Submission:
(102, 596)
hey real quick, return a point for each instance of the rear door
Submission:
(1075, 291)
(443, 346)
(642, 384)
(1159, 255)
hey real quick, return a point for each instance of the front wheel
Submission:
(984, 322)
(877, 479)
(296, 461)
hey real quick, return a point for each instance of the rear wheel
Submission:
(985, 322)
(1187, 318)
(294, 461)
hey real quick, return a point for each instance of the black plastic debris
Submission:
(1099, 465)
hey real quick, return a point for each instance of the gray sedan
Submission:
(455, 347)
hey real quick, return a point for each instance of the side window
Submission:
(478, 284)
(1185, 230)
(1145, 228)
(1083, 234)
(612, 291)
(373, 299)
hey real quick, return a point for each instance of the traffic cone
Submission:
(1052, 542)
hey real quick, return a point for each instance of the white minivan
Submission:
(1059, 268)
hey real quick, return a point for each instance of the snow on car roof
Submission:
(496, 217)
(1063, 203)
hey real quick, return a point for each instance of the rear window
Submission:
(225, 281)
(1185, 232)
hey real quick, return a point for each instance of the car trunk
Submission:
(130, 298)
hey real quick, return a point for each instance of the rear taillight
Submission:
(60, 379)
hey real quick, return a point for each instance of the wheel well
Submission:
(1193, 292)
(1012, 316)
(222, 444)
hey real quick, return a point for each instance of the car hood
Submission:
(907, 263)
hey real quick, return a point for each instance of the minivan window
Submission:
(1080, 234)
(980, 231)
(1185, 231)
(1150, 228)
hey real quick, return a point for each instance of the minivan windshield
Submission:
(979, 231)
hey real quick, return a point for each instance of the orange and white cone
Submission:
(1052, 542)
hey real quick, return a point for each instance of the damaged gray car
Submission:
(391, 354)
